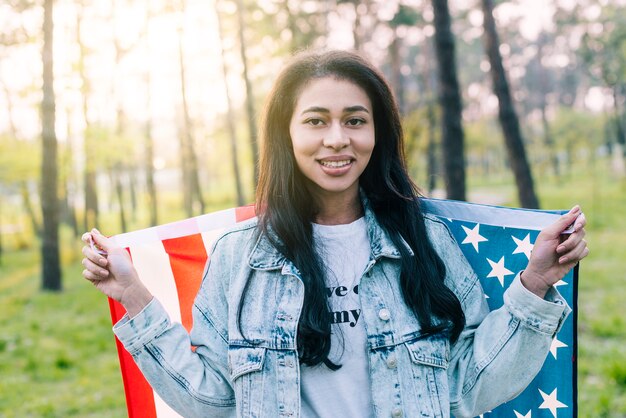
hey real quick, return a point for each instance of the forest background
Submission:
(123, 114)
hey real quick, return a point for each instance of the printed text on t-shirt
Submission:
(350, 316)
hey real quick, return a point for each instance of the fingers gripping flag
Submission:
(497, 242)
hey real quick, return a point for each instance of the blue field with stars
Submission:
(497, 253)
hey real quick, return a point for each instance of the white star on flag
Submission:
(529, 414)
(523, 246)
(559, 283)
(473, 236)
(551, 402)
(498, 270)
(555, 345)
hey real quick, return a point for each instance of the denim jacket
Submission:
(412, 375)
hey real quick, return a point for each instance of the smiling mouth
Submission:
(335, 164)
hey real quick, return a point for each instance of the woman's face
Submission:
(332, 132)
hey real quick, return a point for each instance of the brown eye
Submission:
(355, 122)
(314, 122)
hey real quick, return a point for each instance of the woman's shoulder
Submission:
(437, 229)
(460, 277)
(236, 237)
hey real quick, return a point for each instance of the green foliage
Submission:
(405, 16)
(604, 46)
(20, 160)
(573, 128)
(110, 149)
(416, 126)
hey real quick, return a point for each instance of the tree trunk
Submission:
(432, 168)
(69, 181)
(230, 117)
(395, 58)
(149, 167)
(149, 160)
(429, 83)
(50, 256)
(115, 174)
(68, 213)
(548, 140)
(452, 136)
(187, 194)
(190, 162)
(131, 176)
(249, 94)
(28, 207)
(91, 193)
(508, 118)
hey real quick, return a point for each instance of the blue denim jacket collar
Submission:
(265, 256)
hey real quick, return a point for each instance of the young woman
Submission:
(342, 299)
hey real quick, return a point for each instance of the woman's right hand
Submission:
(113, 273)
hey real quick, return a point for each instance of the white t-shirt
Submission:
(346, 393)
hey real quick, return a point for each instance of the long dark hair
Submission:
(286, 209)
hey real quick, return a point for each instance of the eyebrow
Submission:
(349, 109)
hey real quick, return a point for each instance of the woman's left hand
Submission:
(554, 253)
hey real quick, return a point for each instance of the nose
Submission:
(336, 137)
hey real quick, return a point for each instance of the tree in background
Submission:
(508, 117)
(90, 189)
(404, 17)
(452, 137)
(429, 86)
(67, 177)
(26, 181)
(189, 158)
(230, 113)
(148, 142)
(308, 28)
(151, 190)
(252, 132)
(541, 80)
(604, 52)
(50, 257)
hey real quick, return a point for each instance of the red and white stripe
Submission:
(170, 260)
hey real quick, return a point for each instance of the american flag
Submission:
(497, 241)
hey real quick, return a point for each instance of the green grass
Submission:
(57, 352)
(602, 291)
(58, 356)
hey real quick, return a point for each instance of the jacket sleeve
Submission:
(498, 353)
(194, 382)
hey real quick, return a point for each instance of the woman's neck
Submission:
(338, 209)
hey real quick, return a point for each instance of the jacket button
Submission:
(392, 362)
(396, 413)
(384, 314)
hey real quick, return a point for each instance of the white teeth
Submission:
(335, 164)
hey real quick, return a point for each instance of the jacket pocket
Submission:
(431, 351)
(245, 365)
(430, 358)
(243, 360)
